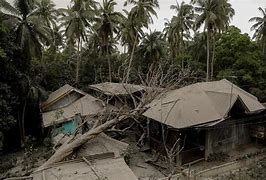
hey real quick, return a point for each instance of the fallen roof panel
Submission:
(85, 106)
(59, 93)
(110, 88)
(102, 144)
(111, 169)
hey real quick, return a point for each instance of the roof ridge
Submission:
(240, 89)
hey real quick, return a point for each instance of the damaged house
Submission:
(201, 119)
(66, 107)
(120, 95)
(64, 112)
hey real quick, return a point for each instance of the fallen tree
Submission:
(68, 147)
(155, 78)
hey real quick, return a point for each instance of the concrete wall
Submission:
(225, 137)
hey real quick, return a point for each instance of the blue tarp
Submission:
(69, 127)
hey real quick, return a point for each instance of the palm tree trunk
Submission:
(181, 51)
(263, 47)
(131, 58)
(208, 56)
(213, 57)
(78, 62)
(109, 63)
(23, 123)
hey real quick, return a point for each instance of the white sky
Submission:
(244, 10)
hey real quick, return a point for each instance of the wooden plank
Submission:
(20, 178)
(91, 157)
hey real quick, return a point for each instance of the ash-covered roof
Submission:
(200, 103)
(85, 106)
(95, 169)
(59, 94)
(111, 89)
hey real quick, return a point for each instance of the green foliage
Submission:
(7, 103)
(237, 55)
(95, 67)
(260, 29)
(8, 76)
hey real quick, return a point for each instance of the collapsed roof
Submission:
(200, 103)
(59, 94)
(116, 89)
(93, 168)
(102, 144)
(71, 105)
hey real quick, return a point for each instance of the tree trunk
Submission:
(109, 63)
(68, 147)
(131, 58)
(78, 61)
(181, 51)
(263, 47)
(20, 127)
(213, 57)
(23, 123)
(208, 56)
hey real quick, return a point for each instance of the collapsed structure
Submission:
(65, 111)
(204, 118)
(120, 95)
(198, 120)
(66, 106)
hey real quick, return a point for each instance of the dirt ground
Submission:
(137, 162)
(24, 162)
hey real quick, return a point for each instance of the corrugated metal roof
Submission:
(102, 144)
(87, 105)
(58, 94)
(111, 169)
(199, 103)
(110, 88)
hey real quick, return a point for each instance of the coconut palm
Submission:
(45, 9)
(129, 32)
(107, 26)
(30, 31)
(260, 28)
(152, 47)
(139, 16)
(76, 21)
(180, 26)
(215, 16)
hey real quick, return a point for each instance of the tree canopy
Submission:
(43, 47)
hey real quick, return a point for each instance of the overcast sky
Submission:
(244, 10)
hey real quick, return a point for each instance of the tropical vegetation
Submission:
(42, 47)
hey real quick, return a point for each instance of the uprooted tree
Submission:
(156, 77)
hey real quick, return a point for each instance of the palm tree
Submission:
(107, 25)
(260, 28)
(45, 9)
(152, 47)
(139, 16)
(129, 33)
(29, 29)
(180, 26)
(77, 20)
(31, 33)
(198, 46)
(215, 15)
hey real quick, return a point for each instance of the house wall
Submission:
(68, 99)
(225, 137)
